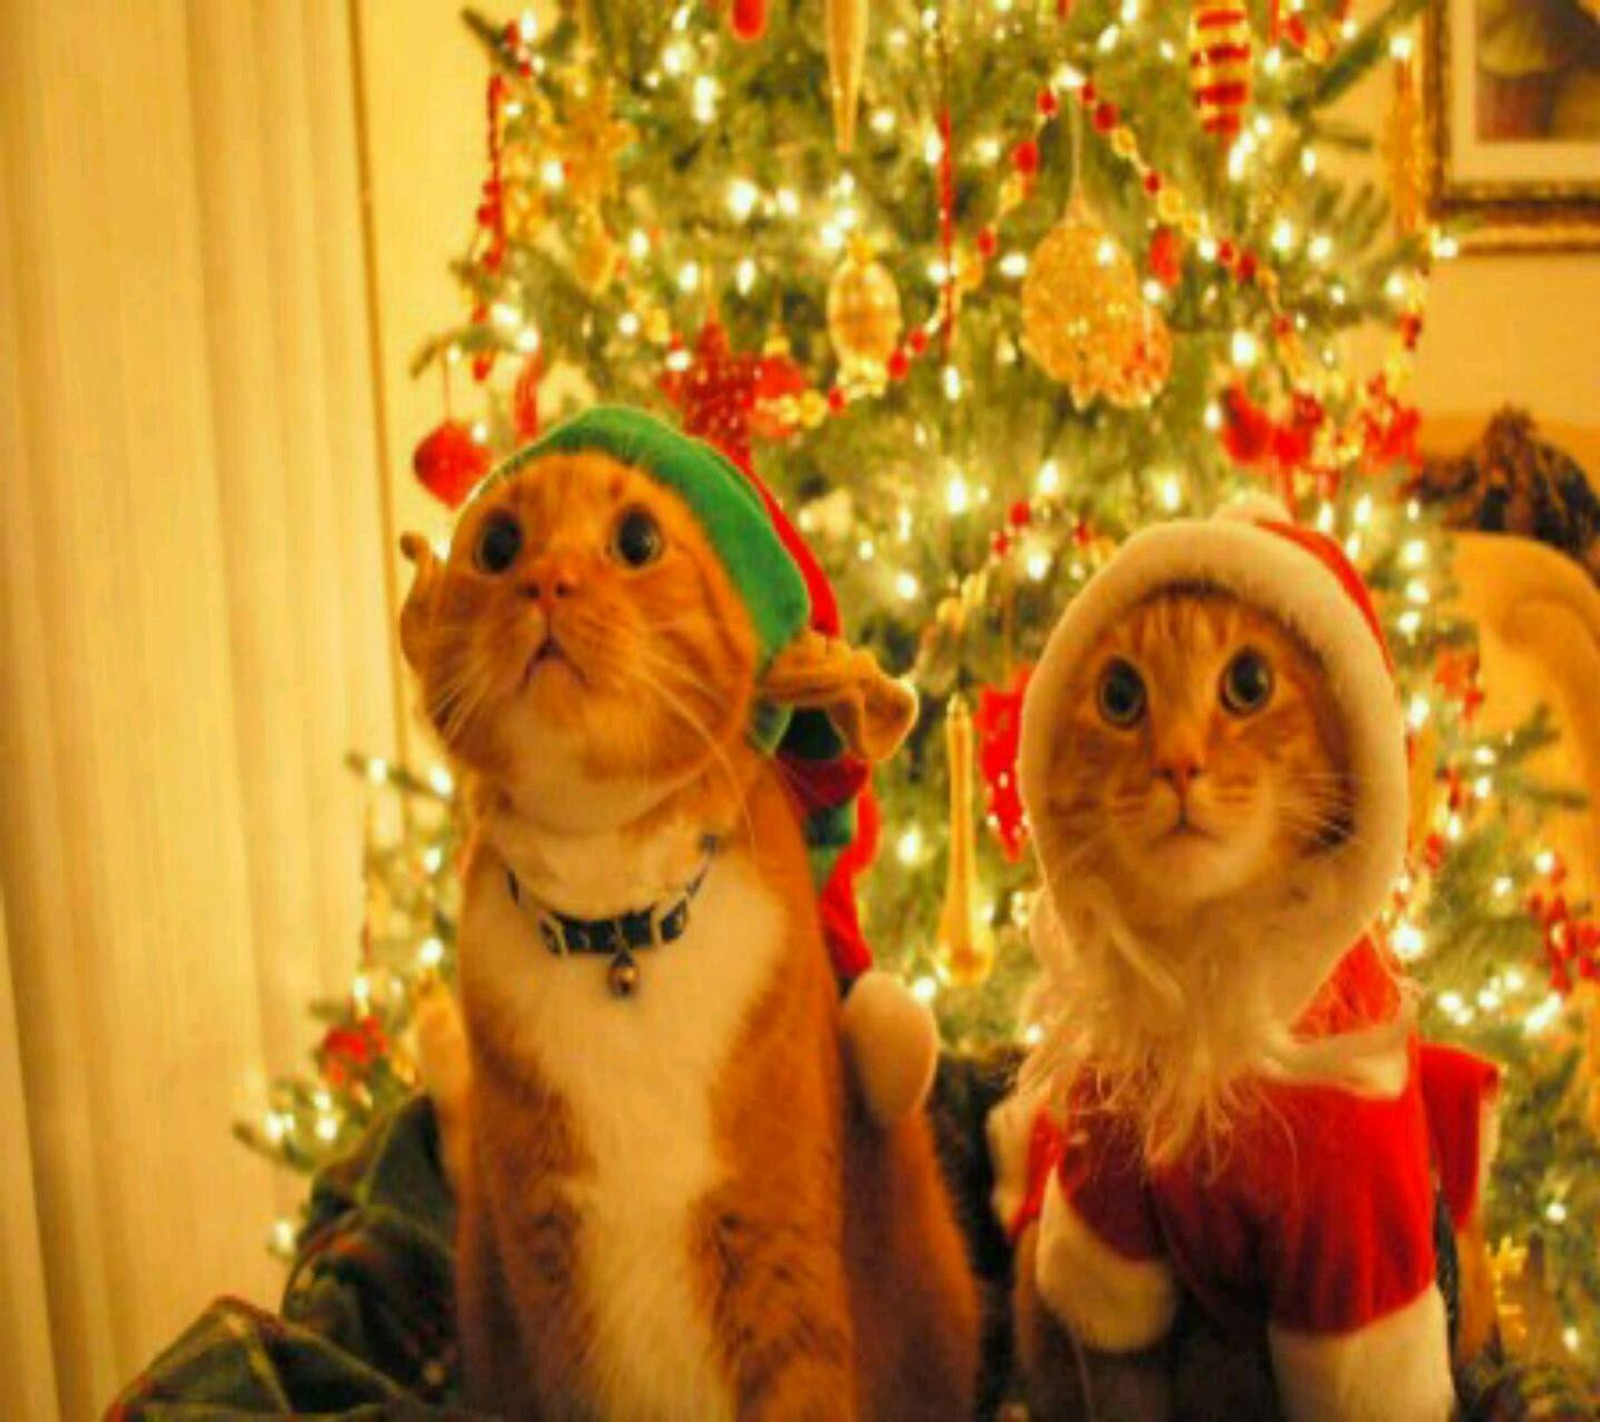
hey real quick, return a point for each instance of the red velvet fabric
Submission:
(1315, 1214)
(1458, 1088)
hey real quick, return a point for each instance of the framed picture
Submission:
(1511, 104)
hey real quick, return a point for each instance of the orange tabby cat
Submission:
(672, 1204)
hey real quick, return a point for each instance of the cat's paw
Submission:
(892, 1043)
(446, 1068)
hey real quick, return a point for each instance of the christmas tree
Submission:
(980, 289)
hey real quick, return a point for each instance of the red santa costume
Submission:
(1311, 1227)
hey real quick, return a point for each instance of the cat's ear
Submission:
(870, 710)
(418, 611)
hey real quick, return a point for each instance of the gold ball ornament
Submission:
(1085, 319)
(813, 408)
(657, 326)
(1220, 67)
(864, 319)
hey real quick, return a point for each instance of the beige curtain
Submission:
(193, 629)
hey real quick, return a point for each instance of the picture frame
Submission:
(1511, 122)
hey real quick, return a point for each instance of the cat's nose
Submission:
(549, 581)
(1180, 771)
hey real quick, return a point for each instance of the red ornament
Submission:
(837, 400)
(1020, 514)
(1026, 157)
(749, 19)
(1105, 116)
(1389, 429)
(1456, 673)
(988, 242)
(1047, 103)
(1252, 437)
(998, 722)
(778, 378)
(525, 399)
(899, 364)
(1247, 428)
(716, 393)
(917, 340)
(449, 463)
(1292, 441)
(349, 1051)
(1166, 257)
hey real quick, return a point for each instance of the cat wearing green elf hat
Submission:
(691, 1182)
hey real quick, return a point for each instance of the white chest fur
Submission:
(640, 1075)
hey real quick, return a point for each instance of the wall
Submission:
(1519, 328)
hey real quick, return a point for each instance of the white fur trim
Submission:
(1396, 1369)
(1114, 1304)
(893, 1044)
(1269, 571)
(1010, 1132)
(1252, 507)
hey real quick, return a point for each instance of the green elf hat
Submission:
(720, 497)
(734, 518)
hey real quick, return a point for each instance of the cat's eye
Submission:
(1122, 695)
(637, 540)
(499, 542)
(1247, 683)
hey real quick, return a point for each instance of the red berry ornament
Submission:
(749, 20)
(1166, 257)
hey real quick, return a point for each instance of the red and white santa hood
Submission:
(1303, 579)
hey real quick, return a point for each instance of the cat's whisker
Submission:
(719, 755)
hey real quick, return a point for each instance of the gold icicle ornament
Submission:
(845, 23)
(1085, 319)
(1404, 145)
(966, 940)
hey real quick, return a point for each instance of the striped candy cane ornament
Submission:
(1219, 66)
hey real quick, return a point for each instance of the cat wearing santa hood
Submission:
(1229, 1102)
